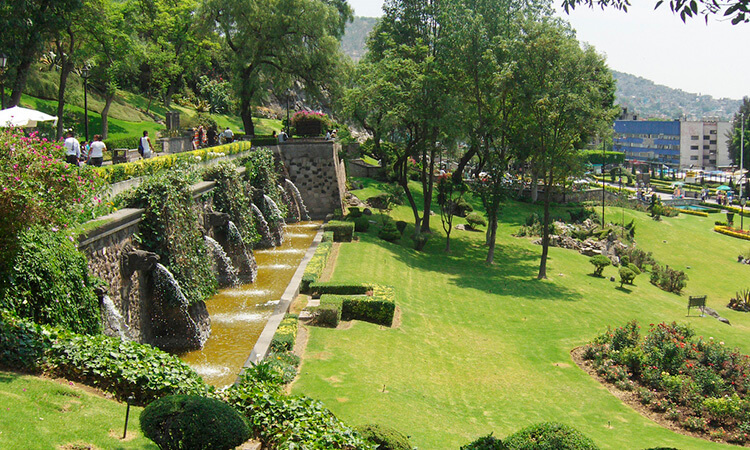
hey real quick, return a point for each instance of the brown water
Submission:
(238, 315)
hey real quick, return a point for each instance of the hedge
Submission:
(342, 231)
(549, 436)
(336, 288)
(315, 267)
(328, 314)
(730, 232)
(378, 308)
(327, 236)
(692, 213)
(286, 334)
(151, 166)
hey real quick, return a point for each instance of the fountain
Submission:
(294, 214)
(226, 273)
(114, 321)
(175, 325)
(243, 257)
(278, 233)
(304, 214)
(266, 240)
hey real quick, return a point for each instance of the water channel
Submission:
(239, 314)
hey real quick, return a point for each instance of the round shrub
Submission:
(193, 422)
(386, 438)
(626, 276)
(354, 212)
(361, 224)
(488, 442)
(389, 232)
(475, 219)
(599, 262)
(634, 268)
(549, 436)
(401, 226)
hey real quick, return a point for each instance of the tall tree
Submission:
(275, 42)
(737, 10)
(734, 138)
(567, 94)
(450, 191)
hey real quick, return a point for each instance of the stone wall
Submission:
(314, 167)
(359, 168)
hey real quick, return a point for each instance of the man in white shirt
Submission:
(72, 149)
(228, 135)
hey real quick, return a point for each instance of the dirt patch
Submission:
(333, 380)
(132, 433)
(631, 398)
(396, 318)
(342, 399)
(298, 304)
(345, 324)
(83, 387)
(78, 446)
(300, 346)
(331, 266)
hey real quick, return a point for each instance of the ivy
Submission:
(233, 197)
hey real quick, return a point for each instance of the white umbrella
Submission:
(23, 117)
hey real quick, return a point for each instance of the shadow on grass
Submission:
(7, 377)
(624, 289)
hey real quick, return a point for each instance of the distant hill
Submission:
(639, 95)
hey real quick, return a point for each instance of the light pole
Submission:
(3, 63)
(288, 93)
(742, 214)
(85, 75)
(604, 157)
(742, 151)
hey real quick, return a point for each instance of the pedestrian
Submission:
(328, 135)
(146, 145)
(84, 153)
(72, 149)
(211, 135)
(201, 136)
(96, 154)
(228, 135)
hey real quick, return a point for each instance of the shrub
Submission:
(310, 123)
(401, 226)
(668, 279)
(231, 196)
(476, 219)
(317, 263)
(354, 212)
(389, 232)
(336, 288)
(328, 315)
(361, 224)
(461, 207)
(286, 334)
(488, 442)
(49, 284)
(386, 438)
(634, 269)
(599, 262)
(578, 215)
(549, 436)
(342, 231)
(375, 309)
(181, 422)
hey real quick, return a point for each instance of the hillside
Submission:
(647, 99)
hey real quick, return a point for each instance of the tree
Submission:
(450, 190)
(734, 137)
(566, 95)
(737, 10)
(273, 43)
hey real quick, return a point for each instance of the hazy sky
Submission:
(656, 45)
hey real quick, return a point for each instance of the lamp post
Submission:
(85, 75)
(288, 93)
(742, 214)
(604, 157)
(742, 150)
(3, 63)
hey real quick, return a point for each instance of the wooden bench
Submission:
(697, 302)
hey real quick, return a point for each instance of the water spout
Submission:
(304, 214)
(248, 268)
(266, 240)
(227, 275)
(168, 291)
(115, 321)
(278, 219)
(294, 214)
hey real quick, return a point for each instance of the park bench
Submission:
(697, 302)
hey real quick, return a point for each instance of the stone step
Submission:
(311, 302)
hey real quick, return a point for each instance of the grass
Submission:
(42, 413)
(487, 348)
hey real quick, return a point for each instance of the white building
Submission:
(703, 144)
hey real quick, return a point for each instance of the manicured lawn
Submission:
(41, 413)
(486, 349)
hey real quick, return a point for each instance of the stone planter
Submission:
(309, 128)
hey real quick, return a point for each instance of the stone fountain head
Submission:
(100, 292)
(133, 260)
(216, 219)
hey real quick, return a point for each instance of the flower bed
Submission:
(692, 213)
(699, 385)
(729, 231)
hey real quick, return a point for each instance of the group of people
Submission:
(77, 153)
(724, 198)
(203, 137)
(281, 137)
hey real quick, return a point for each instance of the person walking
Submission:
(96, 153)
(211, 135)
(146, 145)
(228, 135)
(72, 149)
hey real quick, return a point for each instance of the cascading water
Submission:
(248, 268)
(294, 214)
(304, 214)
(227, 274)
(278, 233)
(266, 240)
(168, 291)
(115, 321)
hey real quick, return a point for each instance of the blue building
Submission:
(649, 141)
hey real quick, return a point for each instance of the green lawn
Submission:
(37, 413)
(486, 349)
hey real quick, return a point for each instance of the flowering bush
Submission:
(310, 123)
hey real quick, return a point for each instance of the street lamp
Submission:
(3, 63)
(85, 75)
(288, 93)
(742, 150)
(604, 158)
(742, 214)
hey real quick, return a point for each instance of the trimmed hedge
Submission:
(361, 224)
(335, 288)
(549, 436)
(327, 315)
(730, 232)
(386, 438)
(488, 442)
(286, 334)
(327, 236)
(377, 309)
(317, 264)
(342, 231)
(690, 212)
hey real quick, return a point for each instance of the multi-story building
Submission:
(676, 144)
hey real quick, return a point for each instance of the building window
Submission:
(694, 138)
(693, 147)
(706, 147)
(706, 137)
(694, 158)
(712, 132)
(712, 142)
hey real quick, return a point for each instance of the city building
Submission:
(677, 144)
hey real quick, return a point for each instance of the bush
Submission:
(476, 219)
(191, 422)
(49, 283)
(361, 224)
(328, 315)
(626, 276)
(634, 268)
(373, 309)
(461, 207)
(354, 212)
(340, 288)
(342, 231)
(231, 196)
(386, 438)
(599, 262)
(488, 442)
(549, 436)
(389, 232)
(286, 335)
(401, 226)
(317, 263)
(668, 279)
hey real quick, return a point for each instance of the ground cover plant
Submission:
(494, 344)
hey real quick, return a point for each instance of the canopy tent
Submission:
(677, 184)
(23, 117)
(723, 188)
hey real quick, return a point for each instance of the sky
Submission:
(655, 44)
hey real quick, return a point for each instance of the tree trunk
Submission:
(246, 113)
(400, 167)
(65, 68)
(171, 90)
(108, 98)
(534, 187)
(19, 84)
(492, 235)
(427, 189)
(545, 229)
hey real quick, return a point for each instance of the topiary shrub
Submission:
(192, 422)
(361, 224)
(549, 436)
(461, 207)
(401, 226)
(286, 334)
(488, 442)
(328, 315)
(389, 232)
(386, 438)
(599, 262)
(354, 212)
(634, 268)
(475, 219)
(626, 276)
(342, 231)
